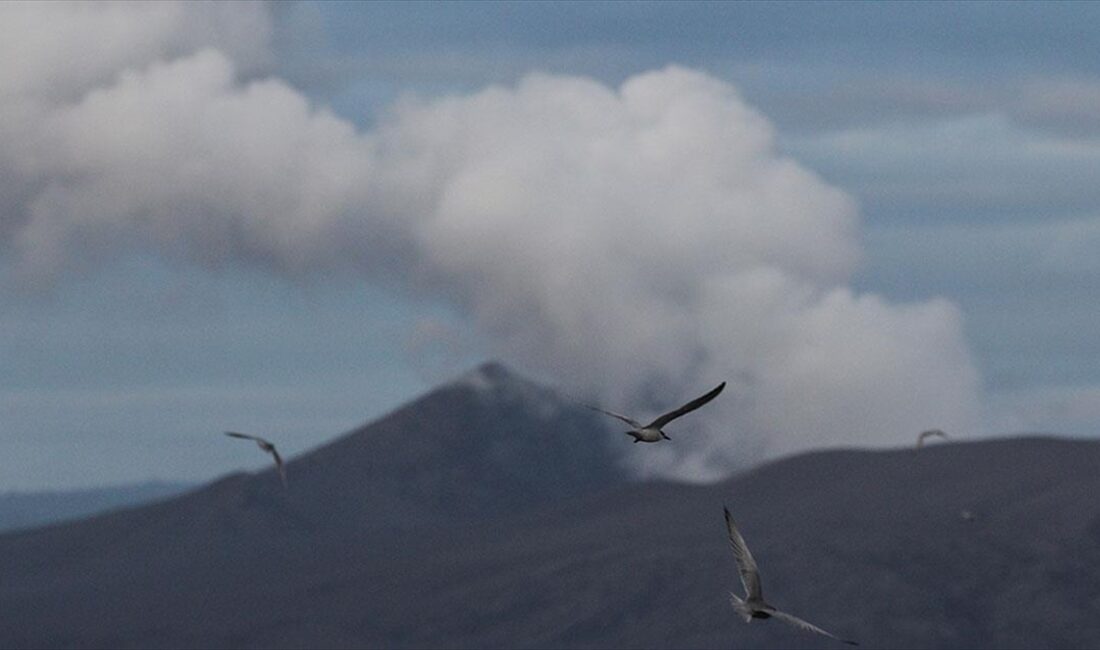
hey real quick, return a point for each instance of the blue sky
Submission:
(965, 136)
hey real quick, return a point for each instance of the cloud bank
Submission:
(638, 243)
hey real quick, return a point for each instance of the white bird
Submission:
(266, 446)
(924, 435)
(754, 606)
(652, 432)
(966, 515)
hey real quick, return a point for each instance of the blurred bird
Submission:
(966, 515)
(266, 446)
(754, 606)
(652, 432)
(928, 434)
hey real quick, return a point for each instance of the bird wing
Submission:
(810, 627)
(746, 565)
(267, 446)
(928, 434)
(279, 465)
(633, 423)
(686, 408)
(246, 437)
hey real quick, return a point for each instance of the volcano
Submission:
(494, 513)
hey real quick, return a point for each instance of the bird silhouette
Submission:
(754, 605)
(652, 432)
(267, 446)
(924, 435)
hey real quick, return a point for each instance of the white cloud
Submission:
(828, 367)
(977, 166)
(641, 243)
(649, 239)
(56, 51)
(1050, 409)
(181, 157)
(1069, 104)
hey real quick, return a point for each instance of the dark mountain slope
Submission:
(20, 510)
(489, 444)
(485, 445)
(870, 545)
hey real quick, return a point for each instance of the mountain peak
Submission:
(491, 375)
(488, 443)
(495, 370)
(495, 381)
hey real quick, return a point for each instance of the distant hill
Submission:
(29, 509)
(490, 513)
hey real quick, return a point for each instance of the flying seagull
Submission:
(266, 446)
(753, 606)
(928, 434)
(652, 432)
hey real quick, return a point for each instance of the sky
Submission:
(288, 219)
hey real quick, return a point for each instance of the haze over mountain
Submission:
(492, 513)
(29, 509)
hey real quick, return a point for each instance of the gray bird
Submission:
(754, 606)
(924, 435)
(652, 432)
(266, 446)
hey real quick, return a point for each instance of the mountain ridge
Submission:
(27, 509)
(570, 551)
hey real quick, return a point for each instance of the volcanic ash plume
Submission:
(639, 243)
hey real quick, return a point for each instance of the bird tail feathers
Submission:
(741, 608)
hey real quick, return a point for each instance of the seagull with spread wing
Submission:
(267, 446)
(924, 435)
(652, 432)
(753, 605)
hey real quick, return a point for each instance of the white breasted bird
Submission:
(652, 432)
(754, 605)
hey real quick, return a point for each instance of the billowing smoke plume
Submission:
(638, 243)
